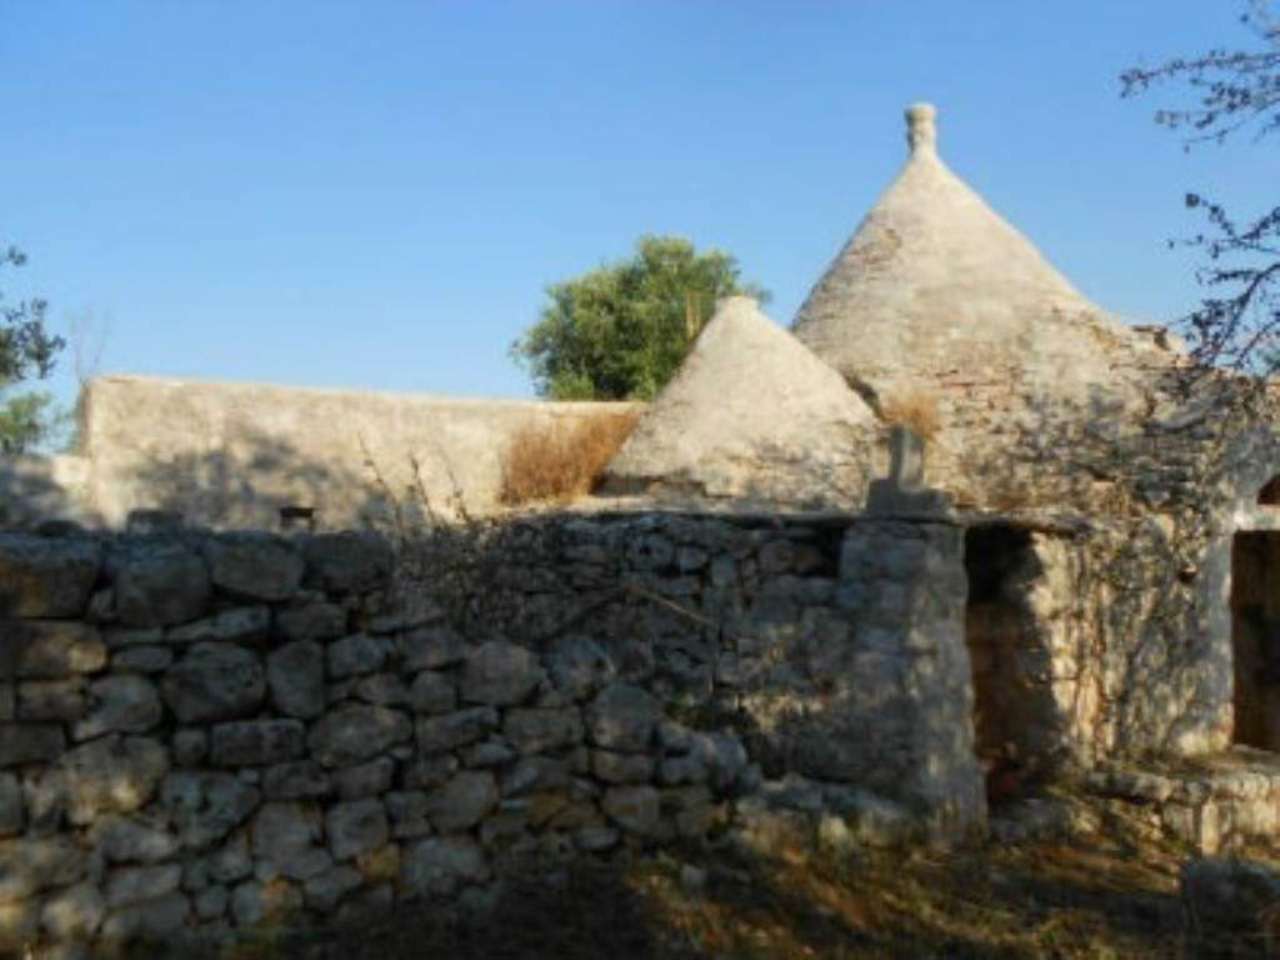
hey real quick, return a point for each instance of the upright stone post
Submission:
(910, 620)
(899, 721)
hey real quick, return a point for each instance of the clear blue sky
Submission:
(376, 194)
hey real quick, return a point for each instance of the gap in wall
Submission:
(1255, 638)
(1003, 652)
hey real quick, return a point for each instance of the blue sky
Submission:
(376, 194)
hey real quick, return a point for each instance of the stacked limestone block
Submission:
(199, 734)
(203, 733)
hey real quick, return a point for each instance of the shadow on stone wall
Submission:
(34, 489)
(263, 482)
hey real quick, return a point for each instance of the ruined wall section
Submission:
(1154, 502)
(201, 733)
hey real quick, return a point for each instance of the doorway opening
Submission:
(1013, 707)
(1255, 638)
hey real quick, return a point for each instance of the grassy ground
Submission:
(1110, 895)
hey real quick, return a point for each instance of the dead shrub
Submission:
(916, 409)
(560, 461)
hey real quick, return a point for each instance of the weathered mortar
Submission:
(202, 732)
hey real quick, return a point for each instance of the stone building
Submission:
(763, 622)
(1120, 532)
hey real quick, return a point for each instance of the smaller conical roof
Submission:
(751, 414)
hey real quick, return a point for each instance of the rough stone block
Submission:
(312, 621)
(356, 828)
(355, 732)
(623, 717)
(348, 562)
(451, 730)
(425, 773)
(232, 861)
(124, 840)
(22, 743)
(498, 673)
(126, 885)
(539, 730)
(160, 584)
(52, 699)
(113, 774)
(211, 903)
(462, 802)
(215, 681)
(239, 625)
(408, 812)
(52, 649)
(142, 659)
(29, 865)
(119, 704)
(621, 767)
(190, 747)
(634, 809)
(580, 667)
(295, 673)
(383, 689)
(366, 779)
(488, 753)
(282, 831)
(296, 781)
(431, 648)
(254, 566)
(438, 866)
(74, 913)
(154, 921)
(325, 892)
(536, 773)
(251, 743)
(257, 903)
(357, 655)
(380, 864)
(44, 577)
(205, 807)
(433, 693)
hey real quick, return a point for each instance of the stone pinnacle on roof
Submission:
(750, 415)
(922, 131)
(934, 282)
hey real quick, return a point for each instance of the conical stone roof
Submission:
(936, 286)
(750, 415)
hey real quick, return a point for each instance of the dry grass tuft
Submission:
(563, 460)
(916, 409)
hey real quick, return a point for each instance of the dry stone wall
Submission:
(201, 733)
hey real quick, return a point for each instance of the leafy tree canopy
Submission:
(26, 350)
(620, 331)
(1237, 325)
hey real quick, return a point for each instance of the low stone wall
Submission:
(202, 733)
(1224, 802)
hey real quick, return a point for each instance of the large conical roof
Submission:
(751, 415)
(934, 285)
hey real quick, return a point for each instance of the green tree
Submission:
(26, 350)
(620, 331)
(1237, 324)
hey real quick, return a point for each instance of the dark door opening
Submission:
(1255, 638)
(1008, 656)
